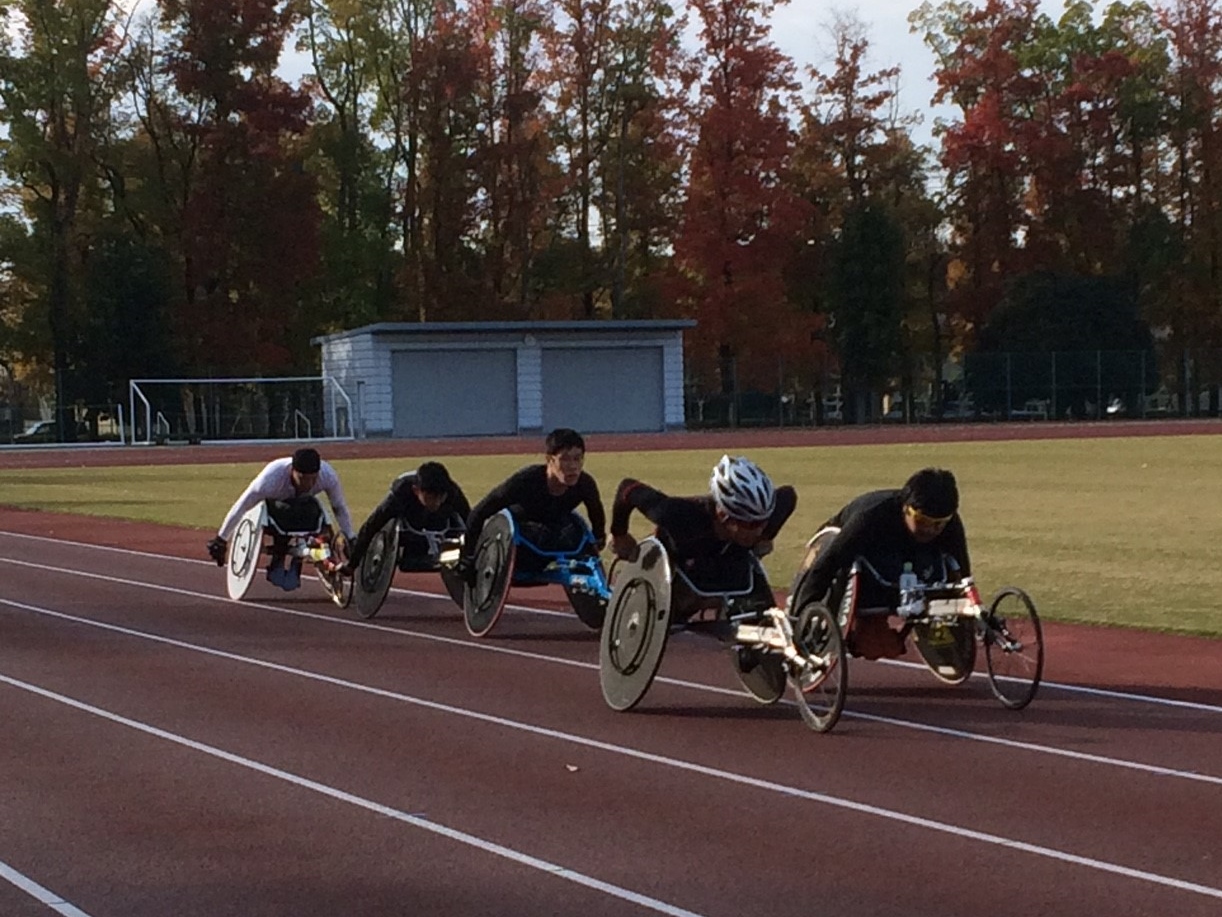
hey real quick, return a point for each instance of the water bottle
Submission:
(909, 603)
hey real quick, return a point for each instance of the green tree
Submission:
(57, 82)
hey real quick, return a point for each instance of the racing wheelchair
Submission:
(307, 532)
(504, 557)
(773, 647)
(943, 613)
(401, 546)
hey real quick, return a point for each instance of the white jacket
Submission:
(275, 482)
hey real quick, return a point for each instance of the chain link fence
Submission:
(980, 387)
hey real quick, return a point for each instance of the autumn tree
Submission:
(249, 215)
(742, 216)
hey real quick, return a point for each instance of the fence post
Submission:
(1098, 384)
(1052, 412)
(1009, 391)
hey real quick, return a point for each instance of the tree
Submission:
(250, 217)
(742, 218)
(866, 301)
(56, 86)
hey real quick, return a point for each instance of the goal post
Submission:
(256, 409)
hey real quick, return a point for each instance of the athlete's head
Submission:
(433, 485)
(931, 499)
(741, 491)
(566, 455)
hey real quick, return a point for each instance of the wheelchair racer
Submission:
(542, 499)
(711, 538)
(288, 486)
(919, 522)
(426, 499)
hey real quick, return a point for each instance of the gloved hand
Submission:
(465, 568)
(216, 550)
(762, 548)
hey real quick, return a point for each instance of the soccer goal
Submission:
(254, 410)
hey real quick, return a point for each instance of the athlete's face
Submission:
(430, 501)
(924, 529)
(746, 534)
(565, 467)
(302, 482)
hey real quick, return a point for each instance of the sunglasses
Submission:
(921, 519)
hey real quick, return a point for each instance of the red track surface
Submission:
(309, 763)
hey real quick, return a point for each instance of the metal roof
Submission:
(597, 327)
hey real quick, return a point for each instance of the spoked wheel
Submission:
(819, 688)
(338, 586)
(1013, 647)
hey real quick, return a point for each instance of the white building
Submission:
(435, 379)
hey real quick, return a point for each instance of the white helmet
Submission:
(742, 490)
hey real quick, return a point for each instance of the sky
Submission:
(802, 30)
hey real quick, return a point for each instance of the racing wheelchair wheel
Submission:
(947, 647)
(764, 677)
(245, 548)
(371, 580)
(494, 560)
(336, 584)
(820, 676)
(637, 626)
(1013, 647)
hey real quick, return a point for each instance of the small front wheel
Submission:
(1013, 647)
(819, 675)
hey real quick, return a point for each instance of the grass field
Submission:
(1115, 531)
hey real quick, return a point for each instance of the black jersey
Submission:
(403, 504)
(686, 524)
(526, 495)
(872, 526)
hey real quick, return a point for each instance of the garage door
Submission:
(455, 392)
(606, 390)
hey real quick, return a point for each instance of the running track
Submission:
(164, 751)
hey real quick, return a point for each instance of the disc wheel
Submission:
(634, 634)
(819, 685)
(947, 647)
(371, 580)
(242, 561)
(494, 562)
(1013, 647)
(763, 676)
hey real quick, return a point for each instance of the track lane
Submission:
(530, 703)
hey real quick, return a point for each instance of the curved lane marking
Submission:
(40, 893)
(574, 739)
(462, 837)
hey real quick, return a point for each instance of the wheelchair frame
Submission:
(578, 570)
(948, 620)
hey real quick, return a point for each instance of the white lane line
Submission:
(486, 646)
(1044, 685)
(586, 742)
(40, 893)
(471, 840)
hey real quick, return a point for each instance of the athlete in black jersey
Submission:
(426, 499)
(918, 523)
(542, 499)
(710, 537)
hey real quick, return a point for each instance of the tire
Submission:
(1013, 647)
(819, 688)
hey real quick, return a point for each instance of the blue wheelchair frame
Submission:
(579, 567)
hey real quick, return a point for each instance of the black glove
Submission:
(465, 568)
(216, 550)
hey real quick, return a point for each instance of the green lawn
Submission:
(1118, 531)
